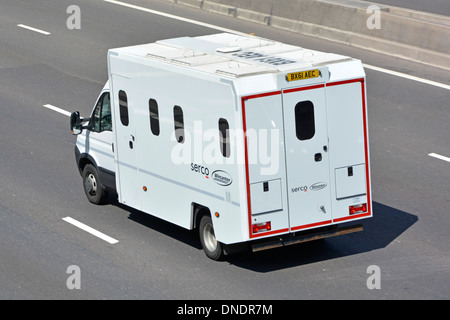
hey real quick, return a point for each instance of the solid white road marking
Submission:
(90, 230)
(33, 29)
(64, 112)
(438, 156)
(407, 76)
(171, 16)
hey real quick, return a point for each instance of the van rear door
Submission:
(266, 185)
(349, 149)
(307, 161)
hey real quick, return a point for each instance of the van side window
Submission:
(224, 137)
(123, 104)
(154, 116)
(101, 117)
(106, 120)
(179, 123)
(95, 119)
(304, 120)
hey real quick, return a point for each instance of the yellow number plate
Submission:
(302, 75)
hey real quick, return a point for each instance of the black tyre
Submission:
(92, 186)
(213, 248)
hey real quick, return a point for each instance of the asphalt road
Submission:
(407, 238)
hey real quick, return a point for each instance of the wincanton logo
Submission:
(222, 178)
(317, 186)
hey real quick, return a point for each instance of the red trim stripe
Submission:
(274, 93)
(345, 82)
(366, 148)
(244, 121)
(316, 224)
(365, 214)
(268, 233)
(304, 88)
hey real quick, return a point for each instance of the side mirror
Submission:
(75, 123)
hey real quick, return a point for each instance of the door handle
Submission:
(131, 141)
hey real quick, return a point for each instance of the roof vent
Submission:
(228, 49)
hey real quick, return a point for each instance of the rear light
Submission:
(261, 227)
(358, 208)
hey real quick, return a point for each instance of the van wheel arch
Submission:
(84, 160)
(212, 248)
(198, 211)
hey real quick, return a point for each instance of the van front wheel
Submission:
(211, 246)
(91, 185)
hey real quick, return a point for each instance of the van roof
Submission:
(233, 55)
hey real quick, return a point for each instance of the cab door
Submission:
(307, 165)
(99, 140)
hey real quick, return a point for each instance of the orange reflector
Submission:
(217, 214)
(358, 208)
(261, 227)
(144, 188)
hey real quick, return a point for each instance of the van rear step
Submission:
(305, 237)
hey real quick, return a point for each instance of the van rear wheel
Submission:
(213, 248)
(91, 185)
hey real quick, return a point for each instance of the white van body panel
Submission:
(298, 135)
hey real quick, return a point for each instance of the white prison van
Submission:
(251, 141)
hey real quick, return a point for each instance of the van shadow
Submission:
(190, 237)
(379, 231)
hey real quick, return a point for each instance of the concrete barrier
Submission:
(414, 35)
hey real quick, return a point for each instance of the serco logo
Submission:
(222, 178)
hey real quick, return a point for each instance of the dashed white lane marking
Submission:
(62, 111)
(438, 156)
(90, 230)
(33, 29)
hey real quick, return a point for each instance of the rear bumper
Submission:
(304, 236)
